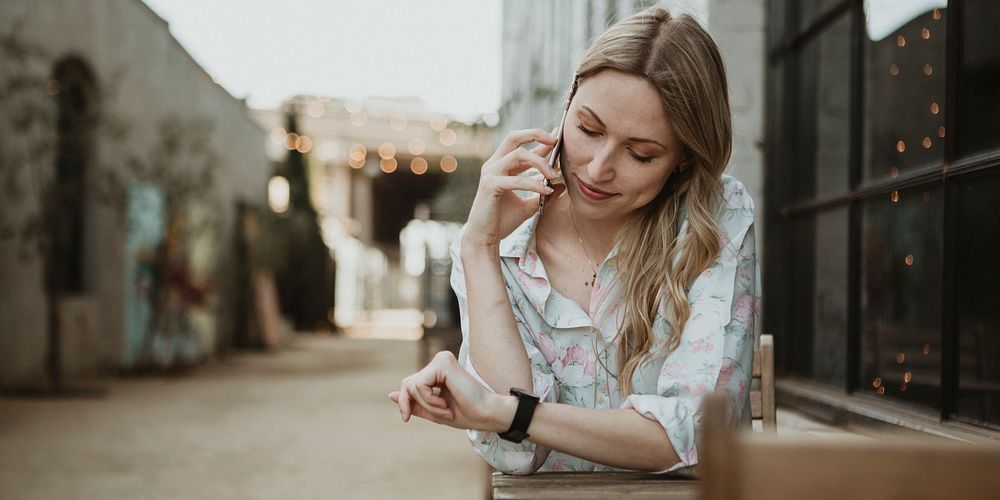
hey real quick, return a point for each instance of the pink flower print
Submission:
(672, 369)
(742, 389)
(744, 308)
(528, 282)
(725, 372)
(579, 354)
(696, 390)
(547, 347)
(701, 345)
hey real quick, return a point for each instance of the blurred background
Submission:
(224, 225)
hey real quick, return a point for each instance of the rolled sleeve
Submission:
(716, 348)
(521, 458)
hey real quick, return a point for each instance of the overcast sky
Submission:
(444, 51)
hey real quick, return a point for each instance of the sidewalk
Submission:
(312, 421)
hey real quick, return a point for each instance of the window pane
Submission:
(904, 87)
(822, 130)
(979, 77)
(810, 10)
(901, 296)
(819, 298)
(977, 298)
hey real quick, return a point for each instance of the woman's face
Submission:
(619, 146)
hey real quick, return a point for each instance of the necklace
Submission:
(572, 221)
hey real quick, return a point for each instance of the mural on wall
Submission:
(145, 232)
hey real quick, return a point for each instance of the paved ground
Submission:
(312, 421)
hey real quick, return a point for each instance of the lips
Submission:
(592, 192)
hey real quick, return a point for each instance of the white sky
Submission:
(444, 51)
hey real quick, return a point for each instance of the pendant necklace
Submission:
(572, 221)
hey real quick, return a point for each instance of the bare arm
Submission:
(495, 346)
(617, 438)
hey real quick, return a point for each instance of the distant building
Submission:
(374, 164)
(149, 159)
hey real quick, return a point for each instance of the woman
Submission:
(621, 304)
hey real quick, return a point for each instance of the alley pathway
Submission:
(311, 421)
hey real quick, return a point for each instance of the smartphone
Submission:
(553, 159)
(557, 149)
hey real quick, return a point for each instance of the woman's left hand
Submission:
(444, 393)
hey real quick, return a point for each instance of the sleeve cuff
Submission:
(677, 421)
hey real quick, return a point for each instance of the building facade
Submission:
(119, 153)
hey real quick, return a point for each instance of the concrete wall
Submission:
(145, 76)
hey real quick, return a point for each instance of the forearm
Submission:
(495, 346)
(620, 438)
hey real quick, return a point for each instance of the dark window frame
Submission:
(785, 39)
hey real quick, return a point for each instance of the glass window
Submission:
(901, 296)
(979, 77)
(810, 10)
(819, 298)
(904, 86)
(822, 132)
(977, 298)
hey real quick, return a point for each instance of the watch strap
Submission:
(526, 403)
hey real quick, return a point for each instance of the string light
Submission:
(941, 132)
(900, 146)
(292, 141)
(877, 382)
(894, 196)
(908, 260)
(388, 165)
(448, 164)
(416, 146)
(894, 172)
(925, 34)
(305, 144)
(316, 109)
(928, 70)
(418, 165)
(447, 137)
(278, 135)
(935, 109)
(894, 70)
(900, 358)
(936, 15)
(901, 41)
(927, 349)
(386, 150)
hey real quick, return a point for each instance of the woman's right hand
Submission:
(497, 210)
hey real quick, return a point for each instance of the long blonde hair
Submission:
(683, 63)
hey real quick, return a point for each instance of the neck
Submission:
(596, 235)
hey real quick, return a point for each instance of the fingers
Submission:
(520, 160)
(502, 184)
(516, 138)
(422, 394)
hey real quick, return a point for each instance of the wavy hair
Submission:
(678, 57)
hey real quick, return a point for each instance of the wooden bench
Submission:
(759, 466)
(601, 485)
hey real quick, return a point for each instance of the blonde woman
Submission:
(592, 329)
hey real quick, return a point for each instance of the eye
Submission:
(590, 133)
(642, 159)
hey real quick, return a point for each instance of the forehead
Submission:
(628, 105)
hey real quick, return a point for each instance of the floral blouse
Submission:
(563, 342)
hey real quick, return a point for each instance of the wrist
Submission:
(471, 250)
(501, 414)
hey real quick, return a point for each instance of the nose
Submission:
(601, 166)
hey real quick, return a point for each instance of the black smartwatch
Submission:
(526, 403)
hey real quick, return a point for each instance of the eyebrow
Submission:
(632, 139)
